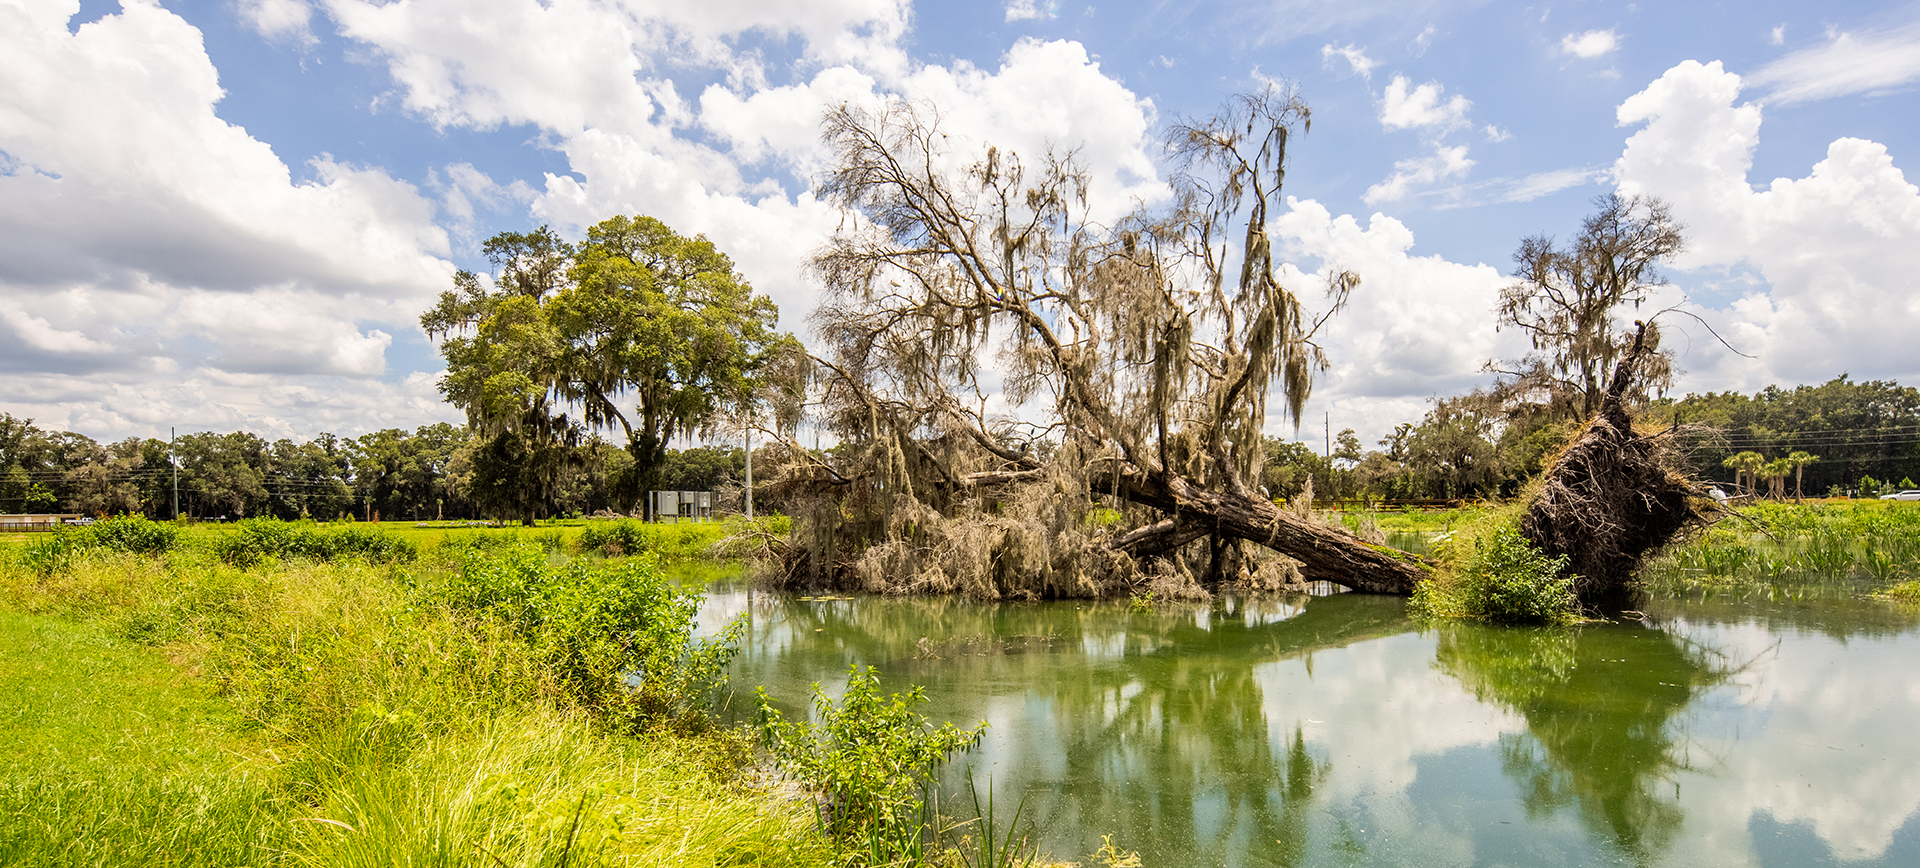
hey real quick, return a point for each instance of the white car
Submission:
(1909, 494)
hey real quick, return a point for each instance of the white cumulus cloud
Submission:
(144, 241)
(1591, 44)
(1838, 248)
(1405, 105)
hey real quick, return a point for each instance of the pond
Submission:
(1757, 728)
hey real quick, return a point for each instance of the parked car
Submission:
(83, 520)
(1909, 494)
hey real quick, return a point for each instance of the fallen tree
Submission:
(1615, 495)
(1136, 360)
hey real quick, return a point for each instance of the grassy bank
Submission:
(1825, 547)
(465, 706)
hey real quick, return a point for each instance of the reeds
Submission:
(1851, 546)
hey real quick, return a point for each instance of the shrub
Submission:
(618, 639)
(1512, 582)
(256, 539)
(869, 758)
(1504, 580)
(51, 553)
(133, 533)
(613, 538)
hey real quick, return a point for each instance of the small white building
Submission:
(34, 522)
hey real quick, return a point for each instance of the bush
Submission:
(869, 758)
(133, 533)
(48, 554)
(619, 640)
(1505, 580)
(673, 543)
(256, 539)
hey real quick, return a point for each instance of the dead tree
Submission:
(1614, 495)
(1140, 356)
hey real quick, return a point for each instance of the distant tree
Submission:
(508, 369)
(106, 482)
(1453, 448)
(1775, 473)
(1861, 428)
(665, 321)
(312, 479)
(1566, 299)
(1746, 468)
(223, 474)
(1349, 446)
(1799, 461)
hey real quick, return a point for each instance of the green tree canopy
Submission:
(637, 329)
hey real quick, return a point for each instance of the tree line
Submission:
(1821, 440)
(428, 473)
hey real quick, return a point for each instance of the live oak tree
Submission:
(637, 329)
(1143, 355)
(1567, 299)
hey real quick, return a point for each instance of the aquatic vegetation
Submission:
(1504, 579)
(1852, 547)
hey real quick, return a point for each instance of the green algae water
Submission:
(1757, 729)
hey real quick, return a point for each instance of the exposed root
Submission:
(1613, 497)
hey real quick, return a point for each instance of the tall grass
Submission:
(390, 713)
(1856, 546)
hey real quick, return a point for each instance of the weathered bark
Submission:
(1325, 553)
(1612, 497)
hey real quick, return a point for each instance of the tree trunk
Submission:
(1325, 553)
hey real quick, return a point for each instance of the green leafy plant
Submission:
(869, 759)
(1504, 580)
(260, 539)
(52, 553)
(618, 639)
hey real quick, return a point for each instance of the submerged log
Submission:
(1612, 497)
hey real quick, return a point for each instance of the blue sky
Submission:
(229, 214)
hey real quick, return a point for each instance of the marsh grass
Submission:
(1843, 548)
(344, 713)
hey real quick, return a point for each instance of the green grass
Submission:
(116, 757)
(181, 710)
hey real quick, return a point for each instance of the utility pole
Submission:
(173, 458)
(1328, 419)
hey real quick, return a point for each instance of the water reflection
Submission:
(1603, 710)
(1329, 731)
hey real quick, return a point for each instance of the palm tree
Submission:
(1775, 472)
(1799, 461)
(1746, 469)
